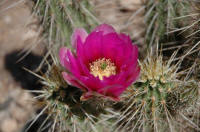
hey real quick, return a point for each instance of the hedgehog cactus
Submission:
(60, 17)
(64, 109)
(152, 99)
(63, 105)
(160, 19)
(98, 76)
(61, 102)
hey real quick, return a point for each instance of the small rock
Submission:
(3, 115)
(7, 19)
(130, 4)
(8, 125)
(25, 100)
(18, 113)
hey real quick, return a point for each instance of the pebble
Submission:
(8, 125)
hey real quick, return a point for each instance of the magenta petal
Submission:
(105, 28)
(71, 80)
(125, 38)
(130, 58)
(63, 56)
(134, 54)
(93, 46)
(79, 32)
(92, 83)
(112, 90)
(86, 96)
(74, 67)
(81, 58)
(112, 45)
(133, 76)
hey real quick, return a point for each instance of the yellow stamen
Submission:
(102, 68)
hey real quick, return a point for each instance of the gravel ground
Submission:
(15, 103)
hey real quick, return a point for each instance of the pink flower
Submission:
(104, 62)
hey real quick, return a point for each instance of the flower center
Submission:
(102, 68)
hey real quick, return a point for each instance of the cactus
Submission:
(60, 101)
(158, 19)
(149, 102)
(165, 92)
(159, 96)
(59, 18)
(161, 20)
(66, 112)
(190, 65)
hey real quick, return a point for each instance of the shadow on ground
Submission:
(27, 80)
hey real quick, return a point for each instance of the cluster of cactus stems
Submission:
(166, 94)
(65, 110)
(61, 101)
(156, 98)
(158, 19)
(60, 17)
